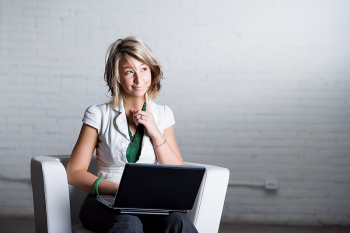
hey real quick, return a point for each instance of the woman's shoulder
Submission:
(102, 107)
(163, 111)
(99, 109)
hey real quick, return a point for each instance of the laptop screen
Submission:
(159, 186)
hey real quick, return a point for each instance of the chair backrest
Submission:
(76, 195)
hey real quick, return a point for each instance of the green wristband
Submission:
(96, 185)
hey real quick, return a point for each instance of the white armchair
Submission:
(57, 204)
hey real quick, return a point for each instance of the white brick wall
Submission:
(259, 87)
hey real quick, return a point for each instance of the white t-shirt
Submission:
(113, 137)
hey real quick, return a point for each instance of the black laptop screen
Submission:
(159, 186)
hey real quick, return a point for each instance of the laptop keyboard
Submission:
(108, 198)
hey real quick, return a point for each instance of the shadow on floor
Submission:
(226, 228)
(18, 225)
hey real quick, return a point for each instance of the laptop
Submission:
(155, 189)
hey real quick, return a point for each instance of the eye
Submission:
(128, 71)
(144, 69)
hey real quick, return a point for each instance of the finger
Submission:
(148, 107)
(138, 116)
(137, 112)
(142, 117)
(142, 121)
(136, 121)
(134, 114)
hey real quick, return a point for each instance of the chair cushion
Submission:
(79, 228)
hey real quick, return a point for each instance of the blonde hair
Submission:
(135, 47)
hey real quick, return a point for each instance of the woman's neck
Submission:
(133, 103)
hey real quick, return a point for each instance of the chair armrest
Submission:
(50, 195)
(207, 209)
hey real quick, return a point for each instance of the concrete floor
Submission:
(10, 225)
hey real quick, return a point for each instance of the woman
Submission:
(129, 128)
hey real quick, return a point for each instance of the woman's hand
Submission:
(147, 120)
(167, 153)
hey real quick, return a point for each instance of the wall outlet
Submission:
(271, 184)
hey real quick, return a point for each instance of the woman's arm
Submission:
(168, 153)
(79, 162)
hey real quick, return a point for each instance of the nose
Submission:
(136, 77)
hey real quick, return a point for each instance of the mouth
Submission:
(138, 88)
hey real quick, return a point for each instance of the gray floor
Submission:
(10, 225)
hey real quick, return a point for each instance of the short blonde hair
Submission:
(135, 47)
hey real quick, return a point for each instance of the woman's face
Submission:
(135, 82)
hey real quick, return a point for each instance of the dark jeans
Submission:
(99, 218)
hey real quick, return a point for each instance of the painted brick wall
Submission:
(259, 87)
